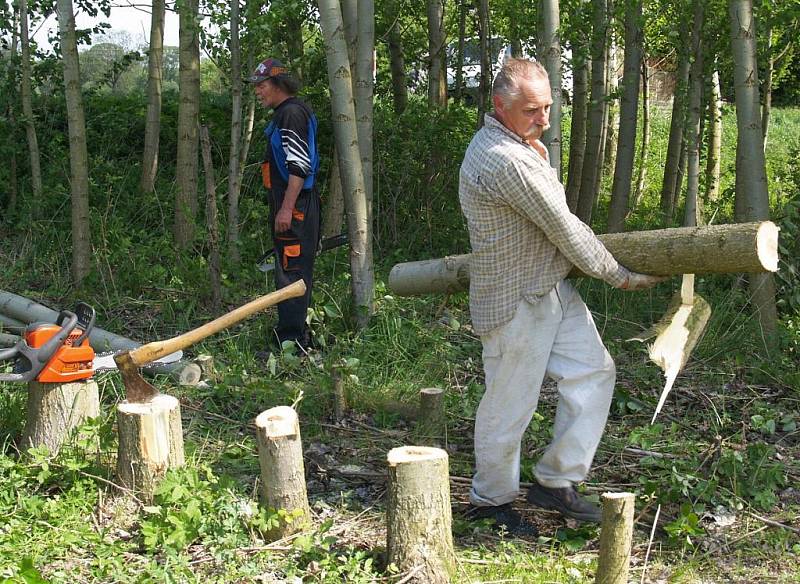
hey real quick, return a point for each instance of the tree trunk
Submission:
(431, 420)
(692, 212)
(766, 108)
(78, 157)
(295, 15)
(610, 138)
(710, 249)
(577, 137)
(188, 125)
(283, 481)
(419, 538)
(150, 443)
(458, 66)
(485, 83)
(437, 69)
(397, 64)
(234, 156)
(645, 145)
(346, 137)
(212, 223)
(616, 535)
(714, 140)
(594, 132)
(752, 197)
(247, 135)
(629, 111)
(675, 143)
(334, 203)
(54, 410)
(27, 102)
(152, 127)
(364, 88)
(550, 54)
(11, 108)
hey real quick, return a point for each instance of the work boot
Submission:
(504, 517)
(566, 501)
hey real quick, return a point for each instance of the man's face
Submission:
(265, 93)
(528, 116)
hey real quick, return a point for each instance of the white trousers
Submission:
(555, 336)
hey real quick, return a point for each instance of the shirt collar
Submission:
(492, 123)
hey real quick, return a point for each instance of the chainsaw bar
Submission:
(105, 361)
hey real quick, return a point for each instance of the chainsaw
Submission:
(60, 352)
(266, 264)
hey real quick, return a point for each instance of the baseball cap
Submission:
(267, 69)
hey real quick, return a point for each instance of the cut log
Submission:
(616, 533)
(150, 443)
(54, 410)
(419, 539)
(26, 311)
(283, 480)
(708, 249)
(431, 421)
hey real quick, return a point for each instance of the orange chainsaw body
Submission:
(70, 362)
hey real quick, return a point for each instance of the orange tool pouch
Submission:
(291, 257)
(265, 175)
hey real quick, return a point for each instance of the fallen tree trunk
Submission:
(11, 325)
(8, 340)
(20, 309)
(710, 249)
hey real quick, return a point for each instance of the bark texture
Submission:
(152, 127)
(234, 156)
(283, 481)
(150, 443)
(671, 184)
(437, 68)
(212, 223)
(27, 101)
(550, 54)
(692, 211)
(710, 249)
(577, 136)
(431, 420)
(54, 410)
(616, 534)
(419, 537)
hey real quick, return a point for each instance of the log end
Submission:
(412, 454)
(767, 245)
(278, 421)
(190, 374)
(431, 391)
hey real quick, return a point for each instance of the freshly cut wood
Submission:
(616, 533)
(709, 249)
(431, 417)
(283, 480)
(54, 410)
(419, 539)
(18, 309)
(150, 443)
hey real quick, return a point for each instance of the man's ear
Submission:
(499, 107)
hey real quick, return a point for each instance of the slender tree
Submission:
(645, 141)
(346, 137)
(550, 54)
(188, 124)
(437, 69)
(78, 157)
(26, 93)
(234, 156)
(364, 89)
(485, 82)
(396, 58)
(592, 160)
(752, 197)
(629, 110)
(577, 140)
(671, 184)
(714, 139)
(694, 116)
(152, 128)
(458, 66)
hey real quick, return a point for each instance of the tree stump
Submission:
(283, 480)
(54, 410)
(419, 539)
(150, 443)
(431, 425)
(616, 532)
(206, 364)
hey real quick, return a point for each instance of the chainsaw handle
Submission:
(9, 353)
(86, 317)
(13, 353)
(50, 347)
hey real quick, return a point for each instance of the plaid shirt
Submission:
(524, 237)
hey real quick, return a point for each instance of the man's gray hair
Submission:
(506, 82)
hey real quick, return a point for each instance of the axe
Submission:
(137, 390)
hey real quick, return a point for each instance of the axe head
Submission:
(137, 390)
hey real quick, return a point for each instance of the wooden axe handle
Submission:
(154, 350)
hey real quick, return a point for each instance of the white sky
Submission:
(126, 15)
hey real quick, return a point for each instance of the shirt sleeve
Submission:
(540, 198)
(294, 140)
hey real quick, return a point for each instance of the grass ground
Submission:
(721, 461)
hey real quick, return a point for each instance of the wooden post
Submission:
(431, 418)
(283, 481)
(419, 538)
(55, 409)
(339, 394)
(616, 532)
(150, 443)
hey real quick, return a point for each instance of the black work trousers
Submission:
(295, 251)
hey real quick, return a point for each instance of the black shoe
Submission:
(566, 501)
(506, 518)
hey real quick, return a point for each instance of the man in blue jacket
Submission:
(289, 172)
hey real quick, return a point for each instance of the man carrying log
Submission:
(532, 321)
(289, 173)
